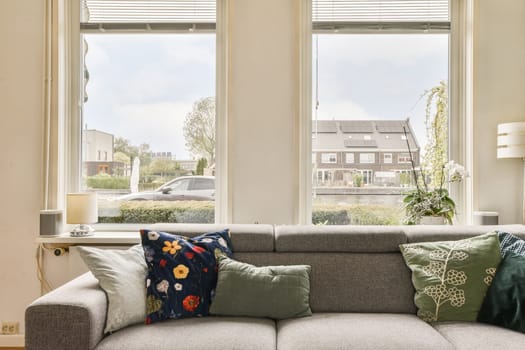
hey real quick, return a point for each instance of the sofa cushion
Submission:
(334, 238)
(337, 331)
(480, 336)
(205, 333)
(182, 273)
(122, 275)
(451, 278)
(504, 304)
(276, 292)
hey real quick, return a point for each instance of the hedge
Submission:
(146, 212)
(356, 214)
(107, 182)
(330, 216)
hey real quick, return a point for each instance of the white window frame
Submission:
(387, 158)
(326, 158)
(325, 175)
(367, 158)
(402, 156)
(460, 104)
(350, 158)
(67, 159)
(367, 179)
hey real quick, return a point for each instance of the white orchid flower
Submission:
(456, 172)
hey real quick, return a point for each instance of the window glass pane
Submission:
(179, 185)
(372, 92)
(328, 158)
(149, 118)
(367, 158)
(203, 184)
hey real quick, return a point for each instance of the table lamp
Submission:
(511, 144)
(82, 211)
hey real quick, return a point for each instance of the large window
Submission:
(380, 76)
(148, 112)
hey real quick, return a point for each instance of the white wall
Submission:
(263, 105)
(21, 45)
(499, 96)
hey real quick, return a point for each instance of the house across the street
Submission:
(356, 153)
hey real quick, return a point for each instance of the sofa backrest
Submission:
(245, 237)
(354, 268)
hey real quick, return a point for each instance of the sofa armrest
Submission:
(70, 317)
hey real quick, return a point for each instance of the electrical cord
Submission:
(45, 286)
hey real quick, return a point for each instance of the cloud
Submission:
(399, 50)
(159, 124)
(192, 50)
(165, 68)
(96, 54)
(342, 109)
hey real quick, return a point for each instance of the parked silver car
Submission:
(184, 188)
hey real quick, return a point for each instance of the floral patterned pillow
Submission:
(182, 273)
(451, 278)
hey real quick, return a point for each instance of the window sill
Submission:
(99, 237)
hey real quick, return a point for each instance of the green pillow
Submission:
(451, 278)
(276, 292)
(504, 304)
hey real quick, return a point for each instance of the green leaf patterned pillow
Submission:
(451, 278)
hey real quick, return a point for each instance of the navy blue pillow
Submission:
(510, 243)
(182, 273)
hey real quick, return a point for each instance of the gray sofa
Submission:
(361, 297)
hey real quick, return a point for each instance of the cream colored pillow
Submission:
(122, 275)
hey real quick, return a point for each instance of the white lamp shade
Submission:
(511, 140)
(82, 208)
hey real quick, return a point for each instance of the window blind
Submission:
(151, 15)
(341, 15)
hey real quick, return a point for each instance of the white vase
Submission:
(432, 220)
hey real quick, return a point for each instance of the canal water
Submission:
(394, 200)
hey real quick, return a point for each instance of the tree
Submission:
(201, 164)
(143, 151)
(199, 129)
(436, 122)
(165, 168)
(123, 145)
(123, 158)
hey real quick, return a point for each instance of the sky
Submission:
(378, 76)
(142, 86)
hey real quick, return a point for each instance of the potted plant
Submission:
(429, 207)
(426, 205)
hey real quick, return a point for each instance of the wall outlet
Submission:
(10, 327)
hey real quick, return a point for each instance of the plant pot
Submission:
(432, 220)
